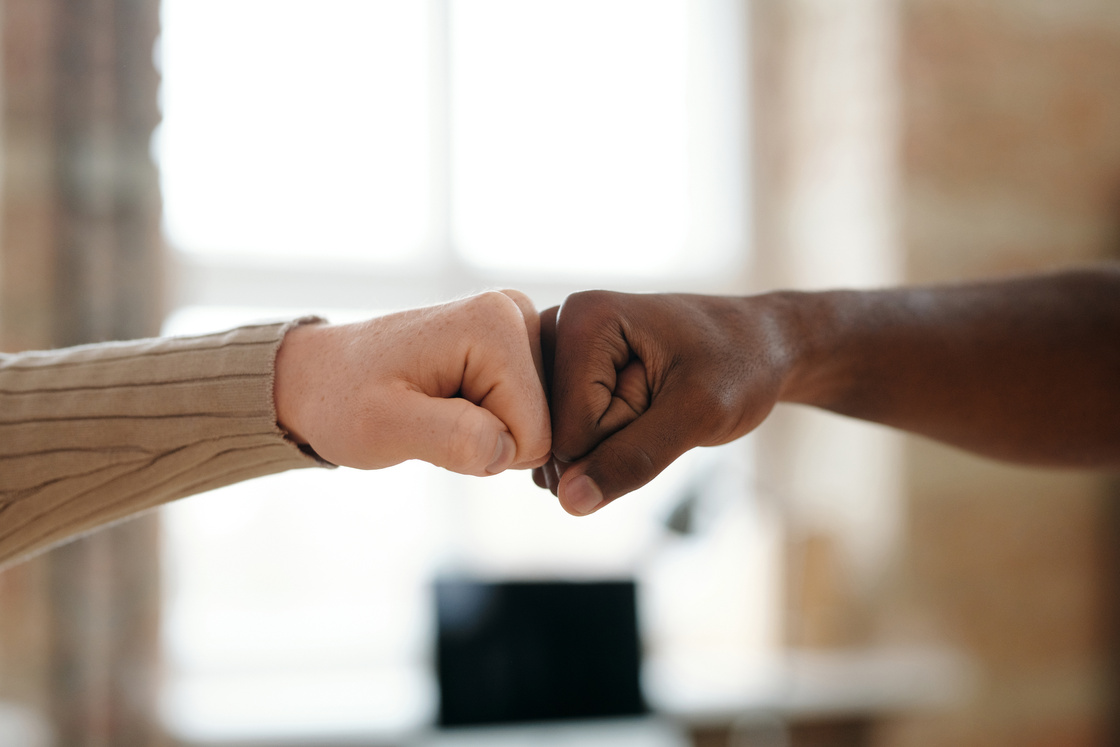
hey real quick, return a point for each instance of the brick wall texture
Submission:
(1010, 161)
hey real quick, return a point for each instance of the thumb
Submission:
(626, 460)
(455, 434)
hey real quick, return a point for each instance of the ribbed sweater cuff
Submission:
(94, 434)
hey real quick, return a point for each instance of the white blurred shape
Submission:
(295, 128)
(574, 150)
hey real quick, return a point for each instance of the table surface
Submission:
(806, 684)
(685, 694)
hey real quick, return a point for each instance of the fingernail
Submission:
(503, 455)
(583, 495)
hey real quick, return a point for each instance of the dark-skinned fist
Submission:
(637, 380)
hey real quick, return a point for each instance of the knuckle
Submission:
(629, 465)
(517, 296)
(496, 306)
(468, 449)
(583, 309)
(574, 438)
(541, 446)
(533, 448)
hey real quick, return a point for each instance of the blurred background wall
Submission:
(894, 141)
(990, 132)
(1010, 158)
(81, 261)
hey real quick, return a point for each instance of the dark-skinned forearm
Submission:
(1025, 369)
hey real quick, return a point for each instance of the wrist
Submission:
(806, 326)
(292, 381)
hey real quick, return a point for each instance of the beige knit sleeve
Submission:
(94, 434)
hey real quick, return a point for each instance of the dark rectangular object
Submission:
(520, 651)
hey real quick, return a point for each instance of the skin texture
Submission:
(1024, 369)
(457, 385)
(637, 380)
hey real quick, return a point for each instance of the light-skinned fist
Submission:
(458, 385)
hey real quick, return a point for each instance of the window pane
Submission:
(571, 128)
(296, 128)
(298, 604)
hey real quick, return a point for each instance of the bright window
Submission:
(347, 157)
(275, 139)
